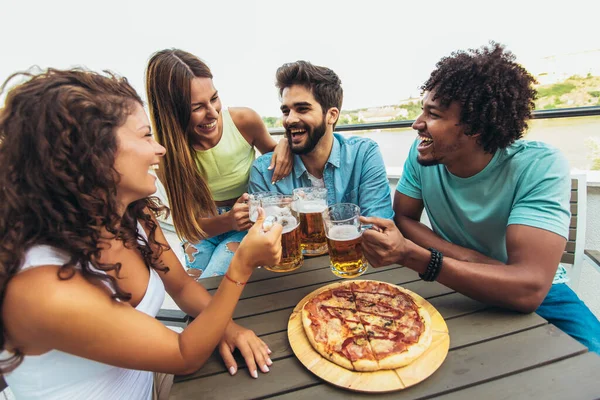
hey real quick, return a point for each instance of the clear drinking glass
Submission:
(310, 202)
(254, 200)
(281, 207)
(344, 238)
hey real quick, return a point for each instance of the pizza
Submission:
(367, 325)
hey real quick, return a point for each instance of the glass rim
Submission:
(259, 195)
(279, 198)
(309, 189)
(328, 208)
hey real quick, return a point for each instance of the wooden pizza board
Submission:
(378, 381)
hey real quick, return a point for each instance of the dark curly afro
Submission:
(495, 93)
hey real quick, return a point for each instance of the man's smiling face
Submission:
(303, 119)
(443, 139)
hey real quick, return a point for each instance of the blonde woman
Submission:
(208, 150)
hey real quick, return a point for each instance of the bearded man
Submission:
(351, 169)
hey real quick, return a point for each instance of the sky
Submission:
(382, 50)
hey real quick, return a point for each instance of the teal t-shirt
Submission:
(527, 183)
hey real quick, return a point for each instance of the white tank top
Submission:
(58, 375)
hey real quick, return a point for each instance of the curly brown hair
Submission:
(495, 93)
(58, 184)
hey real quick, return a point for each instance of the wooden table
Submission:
(493, 353)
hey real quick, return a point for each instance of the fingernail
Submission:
(269, 350)
(265, 368)
(269, 362)
(232, 370)
(272, 183)
(254, 374)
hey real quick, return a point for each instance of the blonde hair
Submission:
(168, 81)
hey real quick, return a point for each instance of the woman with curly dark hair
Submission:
(498, 206)
(83, 262)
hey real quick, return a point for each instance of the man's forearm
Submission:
(509, 286)
(216, 225)
(421, 235)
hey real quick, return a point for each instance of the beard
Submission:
(312, 139)
(427, 163)
(439, 153)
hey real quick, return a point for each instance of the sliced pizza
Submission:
(367, 325)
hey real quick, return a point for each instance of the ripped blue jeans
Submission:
(212, 256)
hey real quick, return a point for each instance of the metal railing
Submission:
(538, 114)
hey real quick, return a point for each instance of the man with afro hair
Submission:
(498, 205)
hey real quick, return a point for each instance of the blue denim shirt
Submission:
(354, 173)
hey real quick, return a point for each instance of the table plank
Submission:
(573, 378)
(490, 323)
(464, 367)
(261, 274)
(465, 330)
(276, 321)
(322, 276)
(473, 364)
(289, 298)
(290, 376)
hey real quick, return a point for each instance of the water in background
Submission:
(578, 138)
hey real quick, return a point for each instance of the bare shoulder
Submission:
(38, 299)
(245, 118)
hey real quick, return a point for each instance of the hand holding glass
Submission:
(281, 207)
(254, 201)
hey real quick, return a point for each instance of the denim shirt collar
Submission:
(334, 158)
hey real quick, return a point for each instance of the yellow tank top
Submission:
(226, 167)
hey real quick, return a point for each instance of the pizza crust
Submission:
(320, 347)
(414, 351)
(366, 365)
(339, 360)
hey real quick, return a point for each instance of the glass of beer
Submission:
(254, 201)
(281, 207)
(310, 203)
(344, 238)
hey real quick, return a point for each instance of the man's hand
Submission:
(239, 214)
(383, 245)
(282, 161)
(253, 349)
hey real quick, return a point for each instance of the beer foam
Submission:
(289, 223)
(343, 232)
(308, 207)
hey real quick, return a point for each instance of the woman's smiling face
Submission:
(206, 107)
(138, 154)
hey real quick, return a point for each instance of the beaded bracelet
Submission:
(434, 267)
